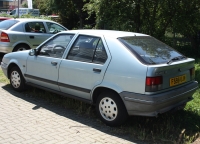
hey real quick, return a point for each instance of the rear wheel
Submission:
(111, 109)
(17, 80)
(21, 47)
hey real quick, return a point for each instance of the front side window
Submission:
(88, 49)
(149, 50)
(56, 46)
(54, 28)
(35, 27)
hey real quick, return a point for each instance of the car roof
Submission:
(110, 33)
(32, 19)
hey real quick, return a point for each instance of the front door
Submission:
(43, 68)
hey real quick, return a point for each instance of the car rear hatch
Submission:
(167, 68)
(169, 76)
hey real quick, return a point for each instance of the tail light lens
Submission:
(4, 37)
(192, 73)
(153, 83)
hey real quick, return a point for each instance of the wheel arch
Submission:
(25, 44)
(11, 65)
(98, 90)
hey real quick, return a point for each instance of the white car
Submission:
(122, 73)
(24, 33)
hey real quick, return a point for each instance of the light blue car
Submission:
(122, 73)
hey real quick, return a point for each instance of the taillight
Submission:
(192, 73)
(153, 83)
(4, 37)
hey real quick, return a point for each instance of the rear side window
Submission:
(88, 49)
(6, 24)
(149, 50)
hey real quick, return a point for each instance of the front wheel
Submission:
(111, 109)
(17, 80)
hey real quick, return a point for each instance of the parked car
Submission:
(122, 73)
(24, 33)
(4, 18)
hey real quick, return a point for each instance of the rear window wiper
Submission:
(176, 58)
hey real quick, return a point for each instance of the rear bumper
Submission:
(152, 105)
(6, 47)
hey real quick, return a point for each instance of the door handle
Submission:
(32, 37)
(54, 63)
(96, 69)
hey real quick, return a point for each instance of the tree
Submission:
(153, 17)
(24, 5)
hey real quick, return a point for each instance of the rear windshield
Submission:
(149, 50)
(6, 24)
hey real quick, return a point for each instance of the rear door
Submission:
(84, 66)
(35, 33)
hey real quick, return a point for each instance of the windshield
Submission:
(13, 12)
(6, 24)
(149, 50)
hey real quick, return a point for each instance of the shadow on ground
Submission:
(165, 129)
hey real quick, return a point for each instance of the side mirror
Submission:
(33, 52)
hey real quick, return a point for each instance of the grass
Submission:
(179, 127)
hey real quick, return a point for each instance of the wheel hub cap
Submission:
(21, 49)
(15, 79)
(108, 109)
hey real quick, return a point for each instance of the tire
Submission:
(21, 47)
(111, 109)
(17, 81)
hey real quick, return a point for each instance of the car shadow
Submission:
(70, 113)
(164, 129)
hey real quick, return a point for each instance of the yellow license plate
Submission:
(177, 80)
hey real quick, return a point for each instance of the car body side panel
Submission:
(18, 58)
(15, 39)
(35, 39)
(125, 70)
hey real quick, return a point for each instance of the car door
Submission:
(35, 33)
(84, 66)
(42, 69)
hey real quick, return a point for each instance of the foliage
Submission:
(24, 4)
(152, 17)
(69, 11)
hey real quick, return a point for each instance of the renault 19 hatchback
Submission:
(122, 73)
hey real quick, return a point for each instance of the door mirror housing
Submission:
(33, 52)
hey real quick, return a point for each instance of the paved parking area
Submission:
(27, 120)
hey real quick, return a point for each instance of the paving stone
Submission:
(27, 120)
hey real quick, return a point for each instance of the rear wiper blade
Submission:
(176, 58)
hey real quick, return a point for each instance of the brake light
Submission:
(4, 37)
(153, 83)
(192, 73)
